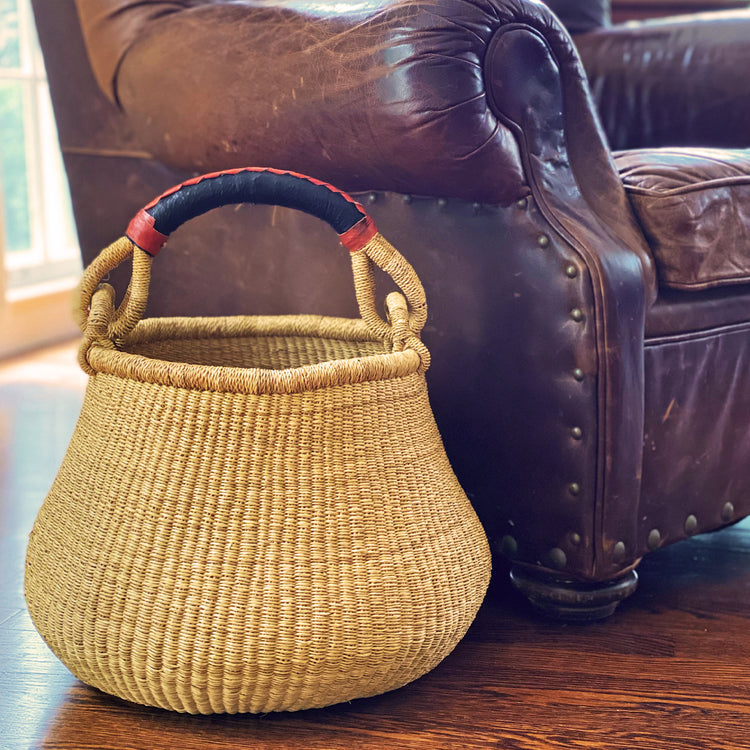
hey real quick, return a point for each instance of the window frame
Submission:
(53, 254)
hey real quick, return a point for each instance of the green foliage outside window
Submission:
(13, 168)
(13, 150)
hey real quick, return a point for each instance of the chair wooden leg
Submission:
(567, 599)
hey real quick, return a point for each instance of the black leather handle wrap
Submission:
(154, 223)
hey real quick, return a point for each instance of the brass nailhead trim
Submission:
(727, 512)
(574, 488)
(522, 203)
(577, 314)
(543, 240)
(691, 525)
(578, 374)
(372, 197)
(509, 546)
(654, 539)
(575, 538)
(557, 558)
(576, 433)
(618, 551)
(571, 272)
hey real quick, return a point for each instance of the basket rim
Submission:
(251, 380)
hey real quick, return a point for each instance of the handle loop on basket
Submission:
(381, 253)
(149, 230)
(99, 319)
(403, 335)
(131, 309)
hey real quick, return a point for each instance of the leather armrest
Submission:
(470, 99)
(392, 97)
(110, 27)
(671, 82)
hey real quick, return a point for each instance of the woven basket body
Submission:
(225, 536)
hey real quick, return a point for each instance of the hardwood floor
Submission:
(669, 671)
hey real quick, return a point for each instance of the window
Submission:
(39, 239)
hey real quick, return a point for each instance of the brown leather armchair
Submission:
(589, 313)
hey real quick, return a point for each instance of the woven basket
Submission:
(254, 513)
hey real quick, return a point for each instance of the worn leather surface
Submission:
(697, 433)
(694, 208)
(354, 104)
(115, 26)
(672, 82)
(620, 269)
(679, 311)
(540, 286)
(375, 90)
(111, 27)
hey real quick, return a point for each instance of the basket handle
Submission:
(149, 230)
(153, 224)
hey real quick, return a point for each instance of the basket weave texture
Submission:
(253, 515)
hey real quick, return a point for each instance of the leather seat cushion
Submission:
(694, 208)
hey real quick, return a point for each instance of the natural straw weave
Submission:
(254, 513)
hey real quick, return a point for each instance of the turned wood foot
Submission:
(567, 599)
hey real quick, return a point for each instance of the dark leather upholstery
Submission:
(579, 16)
(672, 82)
(470, 127)
(694, 208)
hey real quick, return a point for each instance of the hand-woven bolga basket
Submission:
(255, 513)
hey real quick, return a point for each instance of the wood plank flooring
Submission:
(669, 671)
